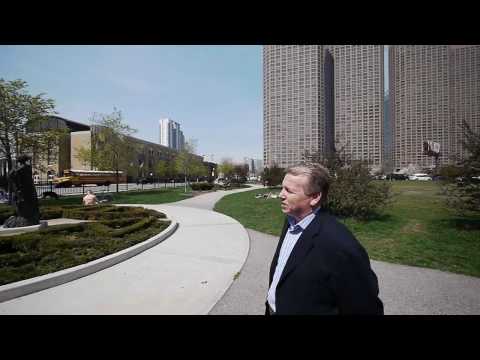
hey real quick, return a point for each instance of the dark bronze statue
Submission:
(24, 195)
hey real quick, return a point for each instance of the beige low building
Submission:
(143, 161)
(144, 155)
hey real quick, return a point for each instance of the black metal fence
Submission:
(45, 186)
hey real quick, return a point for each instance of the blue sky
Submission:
(214, 92)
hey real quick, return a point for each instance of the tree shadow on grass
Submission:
(468, 224)
(373, 217)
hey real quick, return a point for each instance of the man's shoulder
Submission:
(328, 222)
(333, 233)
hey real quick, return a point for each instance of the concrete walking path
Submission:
(404, 290)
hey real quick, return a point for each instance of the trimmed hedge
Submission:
(202, 186)
(62, 246)
(81, 212)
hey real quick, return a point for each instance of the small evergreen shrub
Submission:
(202, 186)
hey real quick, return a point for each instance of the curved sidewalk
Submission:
(186, 274)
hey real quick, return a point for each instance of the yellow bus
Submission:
(89, 177)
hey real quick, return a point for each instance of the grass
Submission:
(63, 246)
(156, 196)
(417, 230)
(263, 215)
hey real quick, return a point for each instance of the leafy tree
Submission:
(464, 195)
(21, 118)
(240, 173)
(22, 130)
(199, 170)
(112, 148)
(171, 169)
(161, 168)
(273, 176)
(227, 168)
(186, 162)
(451, 172)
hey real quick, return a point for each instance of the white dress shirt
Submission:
(292, 235)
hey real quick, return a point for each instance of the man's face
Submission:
(294, 200)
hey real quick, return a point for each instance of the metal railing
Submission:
(46, 186)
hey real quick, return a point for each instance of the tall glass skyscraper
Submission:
(171, 135)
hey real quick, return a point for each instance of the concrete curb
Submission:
(22, 229)
(25, 287)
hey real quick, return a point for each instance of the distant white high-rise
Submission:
(170, 134)
(258, 166)
(255, 166)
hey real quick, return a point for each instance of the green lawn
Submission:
(418, 229)
(155, 196)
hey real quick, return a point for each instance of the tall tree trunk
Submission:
(117, 177)
(8, 155)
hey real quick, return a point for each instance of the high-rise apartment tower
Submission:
(171, 135)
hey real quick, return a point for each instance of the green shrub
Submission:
(202, 186)
(273, 176)
(154, 213)
(64, 229)
(62, 246)
(353, 193)
(118, 223)
(51, 212)
(134, 227)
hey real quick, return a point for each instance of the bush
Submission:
(202, 186)
(53, 212)
(463, 196)
(273, 176)
(58, 247)
(354, 194)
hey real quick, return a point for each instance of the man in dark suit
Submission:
(319, 267)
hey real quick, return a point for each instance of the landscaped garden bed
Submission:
(59, 247)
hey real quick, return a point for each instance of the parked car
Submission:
(461, 181)
(144, 181)
(420, 176)
(36, 179)
(397, 177)
(219, 181)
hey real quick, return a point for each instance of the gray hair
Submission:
(318, 178)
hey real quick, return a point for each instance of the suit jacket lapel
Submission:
(302, 247)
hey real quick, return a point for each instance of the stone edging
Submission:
(22, 229)
(28, 286)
